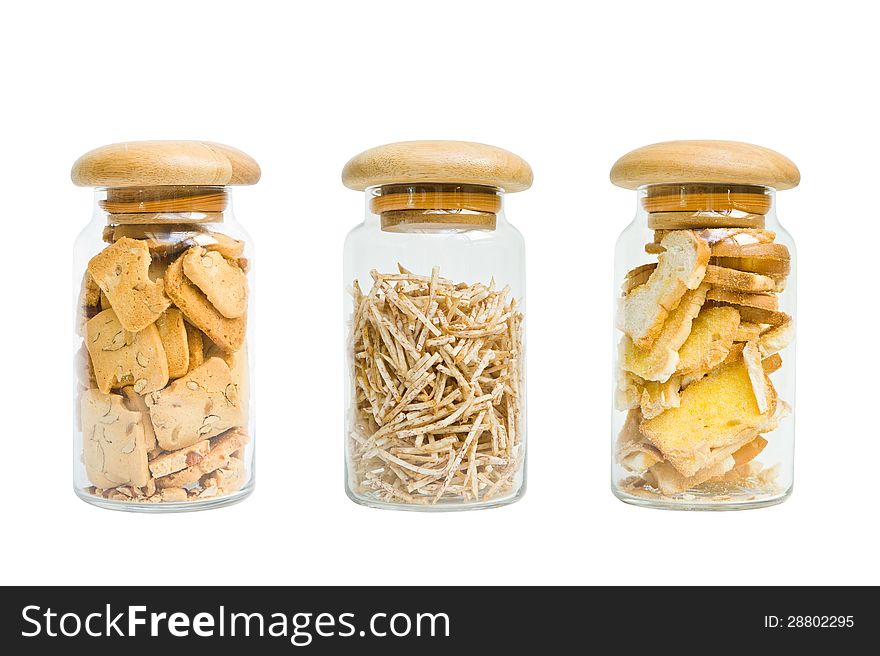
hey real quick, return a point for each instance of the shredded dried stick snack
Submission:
(437, 399)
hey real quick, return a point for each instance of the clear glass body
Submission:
(435, 402)
(163, 401)
(704, 365)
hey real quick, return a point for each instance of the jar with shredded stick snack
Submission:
(163, 286)
(704, 368)
(435, 406)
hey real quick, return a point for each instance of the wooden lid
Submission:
(147, 163)
(682, 162)
(451, 162)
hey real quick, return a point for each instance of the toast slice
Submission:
(634, 452)
(665, 478)
(761, 301)
(638, 276)
(747, 332)
(659, 397)
(711, 337)
(669, 481)
(765, 266)
(750, 451)
(715, 412)
(764, 251)
(738, 281)
(642, 312)
(760, 386)
(776, 338)
(660, 361)
(760, 315)
(772, 363)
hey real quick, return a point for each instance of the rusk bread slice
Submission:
(638, 276)
(660, 361)
(776, 338)
(774, 268)
(772, 363)
(634, 452)
(629, 390)
(738, 281)
(760, 315)
(715, 412)
(727, 234)
(761, 301)
(764, 251)
(659, 397)
(752, 358)
(643, 311)
(226, 333)
(747, 332)
(665, 478)
(750, 451)
(712, 334)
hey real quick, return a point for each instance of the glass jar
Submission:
(163, 279)
(704, 366)
(435, 405)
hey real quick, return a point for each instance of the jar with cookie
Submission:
(163, 412)
(435, 406)
(704, 362)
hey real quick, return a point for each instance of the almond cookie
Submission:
(223, 283)
(238, 367)
(226, 333)
(114, 452)
(122, 358)
(172, 332)
(135, 402)
(218, 457)
(195, 342)
(200, 405)
(227, 479)
(175, 461)
(122, 272)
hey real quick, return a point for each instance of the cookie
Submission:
(219, 456)
(175, 461)
(82, 365)
(114, 452)
(122, 358)
(135, 402)
(172, 332)
(238, 367)
(122, 272)
(89, 300)
(226, 479)
(227, 333)
(195, 407)
(196, 345)
(222, 282)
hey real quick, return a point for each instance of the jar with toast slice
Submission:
(434, 307)
(163, 285)
(704, 362)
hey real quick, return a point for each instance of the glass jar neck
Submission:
(163, 204)
(715, 198)
(430, 206)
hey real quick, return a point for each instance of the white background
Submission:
(570, 87)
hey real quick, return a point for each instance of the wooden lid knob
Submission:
(147, 163)
(452, 162)
(682, 162)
